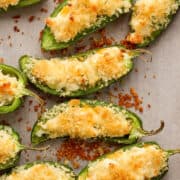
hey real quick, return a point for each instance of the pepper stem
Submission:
(173, 151)
(39, 99)
(35, 149)
(153, 132)
(144, 51)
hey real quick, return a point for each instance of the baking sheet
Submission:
(157, 82)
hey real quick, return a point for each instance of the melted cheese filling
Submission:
(6, 3)
(40, 172)
(72, 74)
(87, 122)
(134, 164)
(150, 16)
(8, 147)
(9, 89)
(81, 14)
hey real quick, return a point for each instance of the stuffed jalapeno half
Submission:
(12, 89)
(39, 171)
(89, 119)
(149, 19)
(80, 74)
(10, 147)
(74, 19)
(10, 4)
(139, 161)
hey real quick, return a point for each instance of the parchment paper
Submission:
(157, 82)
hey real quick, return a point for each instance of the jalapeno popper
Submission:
(89, 119)
(149, 19)
(12, 89)
(81, 74)
(10, 147)
(73, 20)
(40, 171)
(139, 161)
(9, 4)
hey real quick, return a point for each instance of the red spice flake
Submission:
(16, 17)
(44, 10)
(16, 29)
(30, 102)
(36, 108)
(130, 100)
(75, 150)
(28, 128)
(31, 18)
(149, 106)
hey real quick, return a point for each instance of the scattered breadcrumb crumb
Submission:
(74, 150)
(130, 100)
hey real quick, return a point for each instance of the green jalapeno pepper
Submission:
(11, 147)
(139, 161)
(73, 20)
(19, 4)
(149, 19)
(40, 170)
(80, 74)
(89, 119)
(12, 89)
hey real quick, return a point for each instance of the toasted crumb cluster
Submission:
(75, 151)
(129, 100)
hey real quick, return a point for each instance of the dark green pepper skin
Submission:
(12, 161)
(22, 3)
(163, 171)
(25, 59)
(49, 43)
(21, 78)
(29, 165)
(155, 34)
(136, 132)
